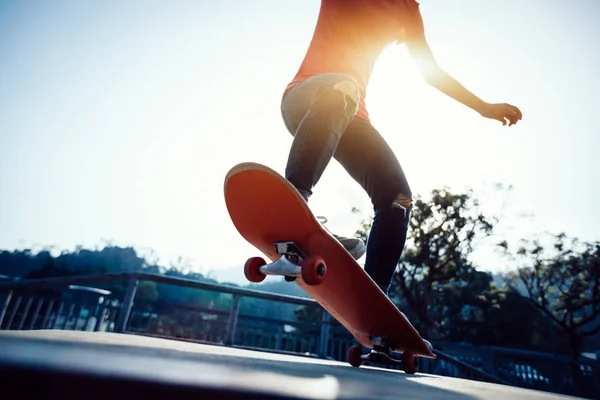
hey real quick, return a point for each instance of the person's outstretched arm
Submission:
(435, 76)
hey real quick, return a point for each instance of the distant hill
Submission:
(280, 286)
(272, 284)
(233, 275)
(21, 263)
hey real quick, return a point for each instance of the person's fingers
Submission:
(510, 110)
(511, 119)
(513, 114)
(505, 113)
(516, 110)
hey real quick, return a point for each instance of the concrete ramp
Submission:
(89, 365)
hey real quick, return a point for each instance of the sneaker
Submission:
(355, 246)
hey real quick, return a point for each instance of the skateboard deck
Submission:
(266, 209)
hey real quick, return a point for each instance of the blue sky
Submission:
(119, 120)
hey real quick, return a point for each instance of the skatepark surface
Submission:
(89, 365)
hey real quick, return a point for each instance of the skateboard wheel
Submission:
(410, 362)
(313, 270)
(354, 356)
(252, 269)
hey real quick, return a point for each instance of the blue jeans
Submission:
(319, 113)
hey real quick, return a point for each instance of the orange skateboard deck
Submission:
(272, 216)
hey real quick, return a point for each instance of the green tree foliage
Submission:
(50, 269)
(21, 263)
(562, 279)
(314, 316)
(272, 309)
(444, 294)
(440, 240)
(175, 295)
(476, 311)
(147, 291)
(110, 259)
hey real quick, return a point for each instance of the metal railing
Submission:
(28, 287)
(532, 369)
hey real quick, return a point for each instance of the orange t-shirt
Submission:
(350, 35)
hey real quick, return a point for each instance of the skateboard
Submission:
(272, 216)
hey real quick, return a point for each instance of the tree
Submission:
(147, 290)
(480, 312)
(50, 269)
(440, 239)
(461, 306)
(562, 279)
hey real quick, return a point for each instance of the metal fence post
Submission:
(324, 340)
(127, 304)
(24, 313)
(5, 306)
(233, 317)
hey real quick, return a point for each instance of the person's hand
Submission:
(502, 112)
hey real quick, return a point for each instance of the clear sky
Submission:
(120, 119)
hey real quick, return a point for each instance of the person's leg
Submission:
(367, 157)
(316, 112)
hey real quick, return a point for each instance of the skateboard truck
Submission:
(290, 260)
(288, 264)
(292, 264)
(381, 353)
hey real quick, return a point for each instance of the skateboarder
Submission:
(323, 107)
